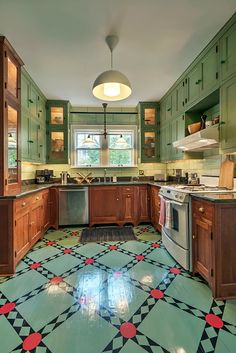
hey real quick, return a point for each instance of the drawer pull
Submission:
(117, 199)
(37, 198)
(194, 237)
(23, 204)
(201, 209)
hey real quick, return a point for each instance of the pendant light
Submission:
(121, 142)
(111, 85)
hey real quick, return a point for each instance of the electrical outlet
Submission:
(141, 172)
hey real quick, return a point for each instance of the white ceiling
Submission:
(62, 42)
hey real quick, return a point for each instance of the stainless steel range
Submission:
(176, 233)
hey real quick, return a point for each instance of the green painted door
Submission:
(165, 141)
(209, 68)
(179, 134)
(193, 84)
(34, 126)
(228, 116)
(228, 52)
(42, 143)
(33, 101)
(25, 92)
(180, 94)
(169, 106)
(25, 136)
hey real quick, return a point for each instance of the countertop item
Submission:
(192, 128)
(227, 174)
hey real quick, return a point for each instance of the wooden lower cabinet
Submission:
(24, 221)
(144, 203)
(119, 204)
(155, 207)
(214, 243)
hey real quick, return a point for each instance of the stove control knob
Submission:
(176, 196)
(181, 197)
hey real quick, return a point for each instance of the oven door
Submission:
(179, 231)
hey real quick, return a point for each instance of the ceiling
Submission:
(62, 43)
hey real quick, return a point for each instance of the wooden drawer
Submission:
(203, 209)
(37, 197)
(22, 204)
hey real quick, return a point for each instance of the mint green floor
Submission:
(68, 297)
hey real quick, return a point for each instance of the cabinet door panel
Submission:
(202, 248)
(34, 126)
(25, 136)
(36, 222)
(109, 198)
(209, 67)
(144, 204)
(25, 92)
(228, 52)
(21, 235)
(127, 206)
(193, 84)
(33, 101)
(228, 109)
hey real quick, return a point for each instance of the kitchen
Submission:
(117, 216)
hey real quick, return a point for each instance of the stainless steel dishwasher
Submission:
(73, 206)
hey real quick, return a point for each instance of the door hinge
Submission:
(217, 75)
(15, 253)
(216, 48)
(211, 272)
(211, 236)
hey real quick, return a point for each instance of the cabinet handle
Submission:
(23, 204)
(201, 209)
(222, 62)
(128, 196)
(30, 100)
(168, 144)
(117, 199)
(194, 237)
(169, 109)
(37, 198)
(186, 100)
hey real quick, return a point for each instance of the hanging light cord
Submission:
(105, 120)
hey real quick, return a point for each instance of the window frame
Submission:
(104, 151)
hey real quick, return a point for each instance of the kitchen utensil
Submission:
(192, 128)
(203, 119)
(209, 123)
(64, 177)
(226, 179)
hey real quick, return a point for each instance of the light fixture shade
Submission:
(121, 90)
(121, 142)
(88, 142)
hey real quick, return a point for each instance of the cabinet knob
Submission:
(194, 237)
(201, 209)
(37, 198)
(23, 204)
(117, 199)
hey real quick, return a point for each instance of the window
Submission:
(89, 147)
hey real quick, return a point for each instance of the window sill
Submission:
(102, 167)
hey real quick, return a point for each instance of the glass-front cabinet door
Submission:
(149, 115)
(10, 119)
(57, 131)
(12, 143)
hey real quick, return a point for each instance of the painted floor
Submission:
(126, 297)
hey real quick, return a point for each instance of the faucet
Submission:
(105, 173)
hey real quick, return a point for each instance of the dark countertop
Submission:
(29, 189)
(227, 197)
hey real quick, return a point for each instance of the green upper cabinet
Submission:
(179, 98)
(165, 142)
(228, 52)
(193, 80)
(149, 114)
(177, 133)
(33, 121)
(209, 71)
(228, 116)
(57, 131)
(169, 102)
